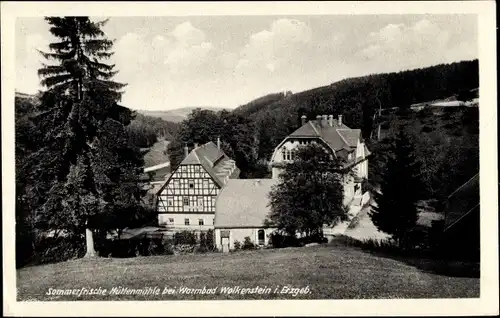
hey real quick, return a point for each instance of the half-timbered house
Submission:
(187, 199)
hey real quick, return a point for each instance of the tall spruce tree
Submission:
(87, 171)
(395, 212)
(309, 193)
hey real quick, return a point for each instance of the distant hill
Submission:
(176, 115)
(145, 131)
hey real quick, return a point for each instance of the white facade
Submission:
(352, 186)
(186, 221)
(284, 153)
(258, 236)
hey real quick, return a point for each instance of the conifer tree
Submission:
(86, 170)
(395, 212)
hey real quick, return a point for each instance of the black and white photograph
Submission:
(206, 155)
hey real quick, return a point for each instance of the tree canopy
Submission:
(309, 193)
(395, 209)
(238, 137)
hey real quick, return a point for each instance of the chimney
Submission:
(303, 118)
(186, 151)
(340, 120)
(218, 143)
(318, 119)
(330, 120)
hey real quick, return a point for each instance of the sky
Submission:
(227, 61)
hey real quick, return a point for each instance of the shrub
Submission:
(314, 238)
(248, 244)
(185, 238)
(184, 248)
(206, 242)
(278, 240)
(237, 245)
(52, 250)
(210, 240)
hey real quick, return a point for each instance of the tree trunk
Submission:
(89, 237)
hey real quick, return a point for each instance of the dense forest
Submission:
(145, 130)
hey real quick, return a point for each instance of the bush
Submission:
(210, 240)
(52, 250)
(315, 238)
(206, 242)
(237, 245)
(185, 238)
(248, 244)
(278, 240)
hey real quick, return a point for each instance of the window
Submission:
(185, 201)
(191, 184)
(171, 220)
(169, 202)
(200, 222)
(186, 221)
(176, 184)
(200, 202)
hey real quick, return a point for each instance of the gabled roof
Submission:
(462, 201)
(243, 203)
(337, 136)
(217, 164)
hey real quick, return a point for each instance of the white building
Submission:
(337, 138)
(241, 209)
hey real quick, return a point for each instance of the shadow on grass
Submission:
(420, 260)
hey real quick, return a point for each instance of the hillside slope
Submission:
(176, 115)
(144, 130)
(357, 99)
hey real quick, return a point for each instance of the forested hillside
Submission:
(145, 130)
(357, 99)
(446, 142)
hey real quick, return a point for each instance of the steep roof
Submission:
(337, 136)
(462, 201)
(214, 161)
(243, 203)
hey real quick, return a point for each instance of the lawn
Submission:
(322, 272)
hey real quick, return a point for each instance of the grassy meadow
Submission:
(328, 272)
